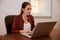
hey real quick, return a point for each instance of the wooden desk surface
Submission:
(54, 35)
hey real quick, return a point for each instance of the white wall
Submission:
(56, 12)
(12, 7)
(8, 7)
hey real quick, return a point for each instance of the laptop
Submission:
(41, 29)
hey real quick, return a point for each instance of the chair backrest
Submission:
(8, 22)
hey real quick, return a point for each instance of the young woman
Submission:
(24, 21)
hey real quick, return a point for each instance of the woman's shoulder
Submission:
(30, 16)
(17, 17)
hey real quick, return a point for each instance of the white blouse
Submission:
(27, 26)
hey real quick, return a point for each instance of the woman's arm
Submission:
(33, 23)
(15, 27)
(31, 18)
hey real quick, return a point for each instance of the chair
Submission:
(8, 22)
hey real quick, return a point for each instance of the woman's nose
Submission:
(29, 10)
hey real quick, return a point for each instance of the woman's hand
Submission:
(25, 31)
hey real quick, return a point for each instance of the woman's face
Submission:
(27, 10)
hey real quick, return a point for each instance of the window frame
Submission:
(44, 17)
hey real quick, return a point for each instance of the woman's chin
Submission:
(28, 14)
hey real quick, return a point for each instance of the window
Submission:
(41, 8)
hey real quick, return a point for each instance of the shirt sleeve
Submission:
(15, 27)
(32, 23)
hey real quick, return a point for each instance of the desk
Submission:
(54, 35)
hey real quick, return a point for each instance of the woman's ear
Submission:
(22, 9)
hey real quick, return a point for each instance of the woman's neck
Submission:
(24, 15)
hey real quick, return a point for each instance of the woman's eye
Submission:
(29, 8)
